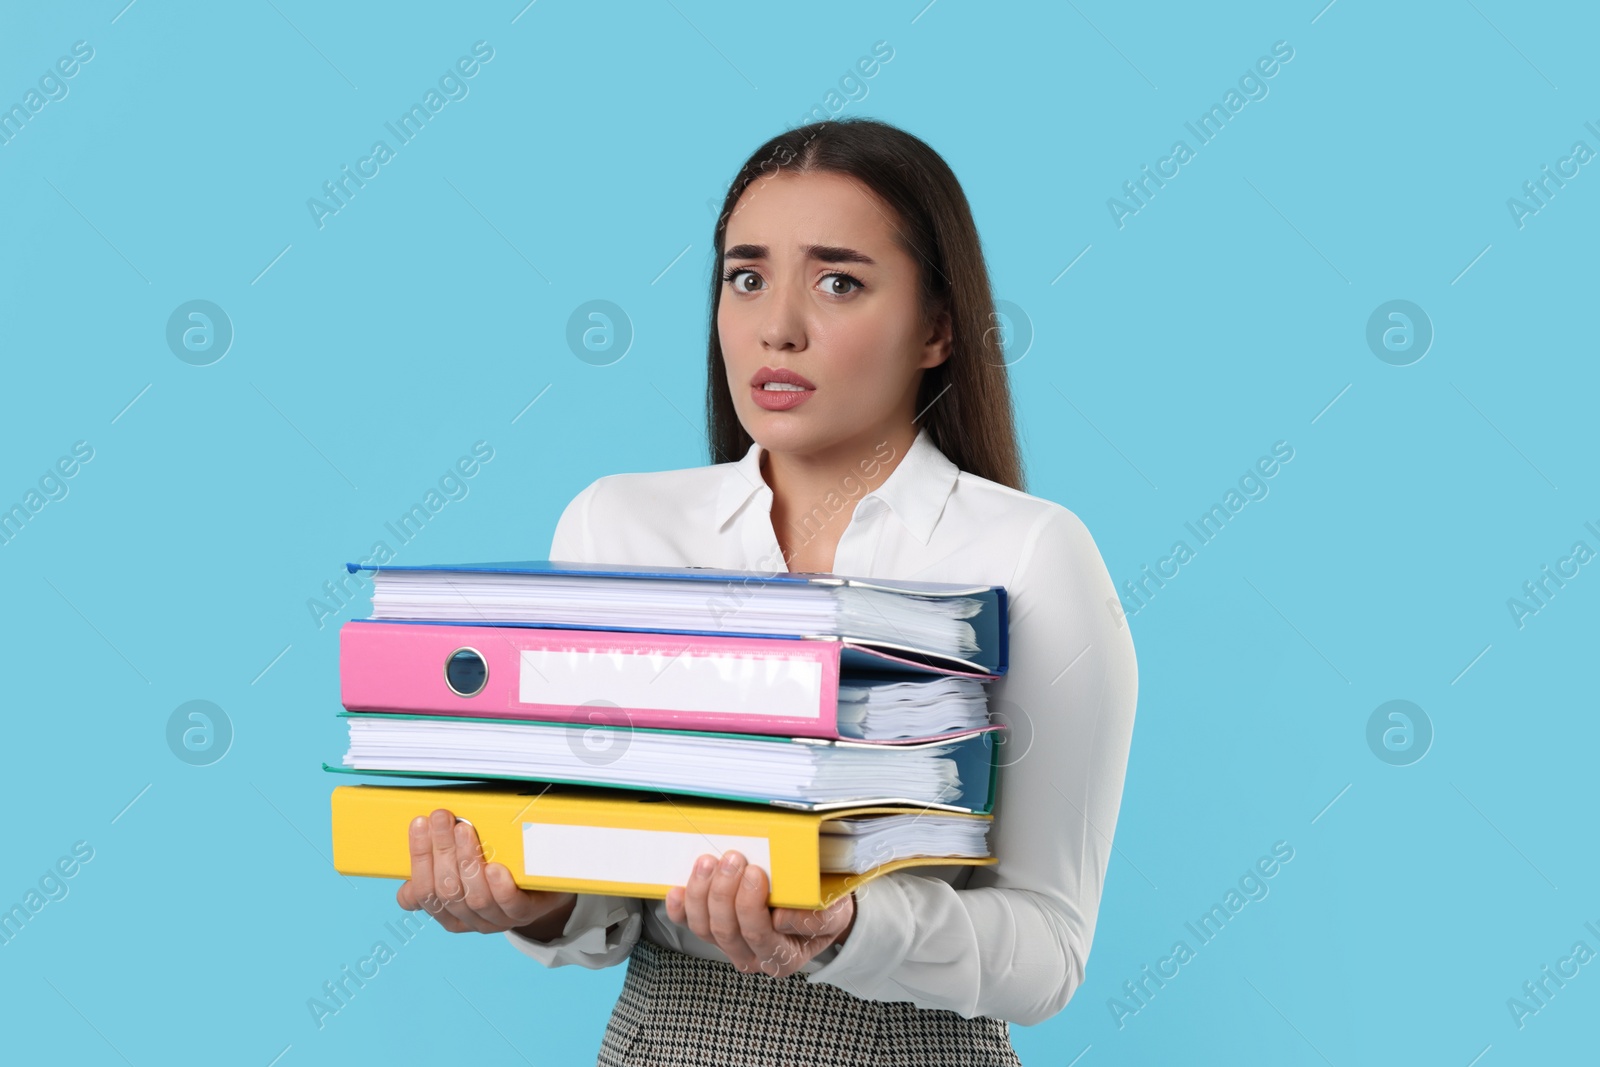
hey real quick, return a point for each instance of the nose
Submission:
(783, 318)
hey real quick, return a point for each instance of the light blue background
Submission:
(1228, 314)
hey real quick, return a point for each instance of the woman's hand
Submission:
(729, 909)
(450, 879)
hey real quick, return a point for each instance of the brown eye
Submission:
(733, 277)
(831, 281)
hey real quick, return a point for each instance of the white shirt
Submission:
(1009, 940)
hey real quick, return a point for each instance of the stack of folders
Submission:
(605, 725)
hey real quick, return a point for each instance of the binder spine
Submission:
(558, 843)
(673, 681)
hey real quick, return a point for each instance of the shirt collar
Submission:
(916, 490)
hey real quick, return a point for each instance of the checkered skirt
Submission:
(678, 1010)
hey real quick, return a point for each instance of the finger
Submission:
(772, 951)
(675, 910)
(523, 906)
(724, 920)
(448, 881)
(784, 957)
(416, 897)
(449, 922)
(477, 894)
(411, 897)
(695, 909)
(421, 847)
(442, 839)
(807, 923)
(469, 865)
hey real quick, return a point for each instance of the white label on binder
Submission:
(619, 854)
(715, 682)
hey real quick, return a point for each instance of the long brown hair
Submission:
(965, 402)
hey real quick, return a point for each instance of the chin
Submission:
(778, 431)
(790, 437)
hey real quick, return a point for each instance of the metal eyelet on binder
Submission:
(466, 672)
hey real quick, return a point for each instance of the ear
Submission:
(941, 335)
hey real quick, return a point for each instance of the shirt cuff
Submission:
(878, 942)
(588, 938)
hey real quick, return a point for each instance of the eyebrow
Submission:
(821, 253)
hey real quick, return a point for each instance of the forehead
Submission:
(791, 210)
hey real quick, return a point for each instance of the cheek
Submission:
(728, 335)
(866, 355)
(738, 369)
(739, 332)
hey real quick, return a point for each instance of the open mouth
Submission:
(780, 396)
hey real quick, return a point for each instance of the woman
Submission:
(854, 368)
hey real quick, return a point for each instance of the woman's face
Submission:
(816, 286)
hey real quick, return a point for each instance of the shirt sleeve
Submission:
(573, 541)
(1014, 943)
(601, 930)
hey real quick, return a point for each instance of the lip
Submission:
(787, 377)
(779, 400)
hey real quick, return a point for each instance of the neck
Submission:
(848, 470)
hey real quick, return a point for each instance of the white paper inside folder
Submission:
(760, 768)
(857, 844)
(685, 682)
(931, 623)
(876, 707)
(893, 709)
